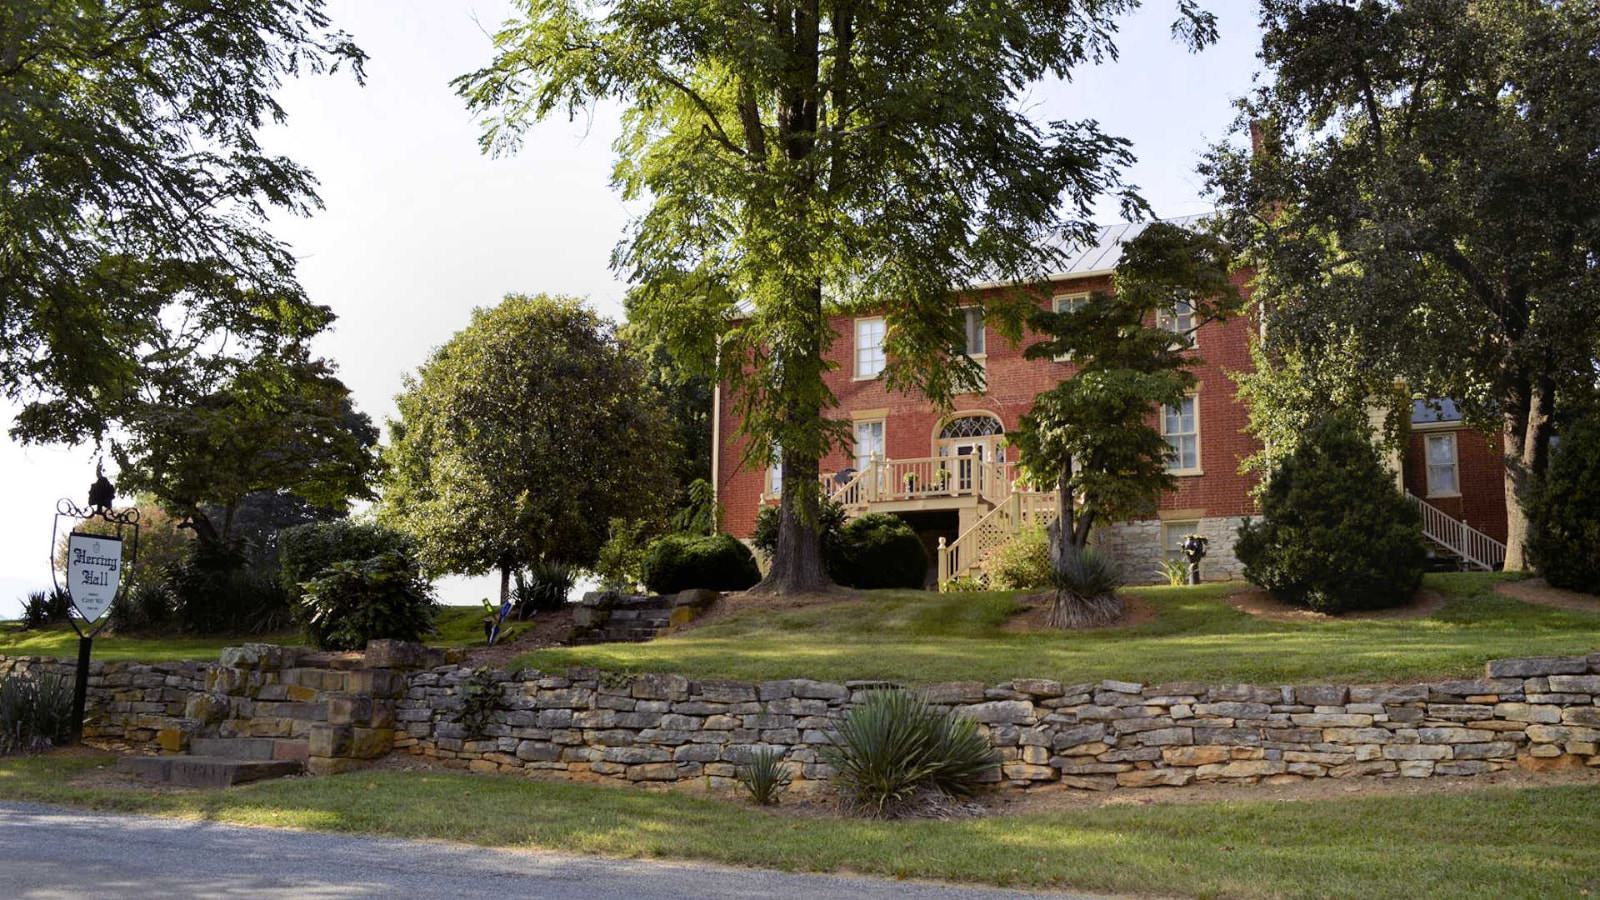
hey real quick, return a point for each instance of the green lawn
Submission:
(458, 626)
(916, 637)
(1496, 842)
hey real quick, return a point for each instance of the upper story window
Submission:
(1444, 467)
(775, 473)
(1178, 319)
(972, 328)
(869, 442)
(1068, 303)
(1180, 425)
(869, 348)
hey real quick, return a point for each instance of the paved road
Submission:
(56, 853)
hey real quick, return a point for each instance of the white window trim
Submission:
(1198, 469)
(1189, 526)
(1455, 464)
(856, 350)
(1167, 318)
(1058, 303)
(883, 423)
(983, 331)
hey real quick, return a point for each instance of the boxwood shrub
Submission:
(879, 550)
(678, 562)
(1335, 534)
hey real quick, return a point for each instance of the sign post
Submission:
(93, 570)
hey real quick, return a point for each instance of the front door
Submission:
(967, 466)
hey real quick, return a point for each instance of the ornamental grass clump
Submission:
(894, 747)
(764, 776)
(35, 712)
(1086, 584)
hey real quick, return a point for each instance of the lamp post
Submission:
(92, 570)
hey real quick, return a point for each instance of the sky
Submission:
(420, 227)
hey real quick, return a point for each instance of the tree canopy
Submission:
(279, 435)
(132, 246)
(1426, 200)
(521, 438)
(1094, 436)
(804, 157)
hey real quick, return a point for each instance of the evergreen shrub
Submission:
(1335, 534)
(678, 562)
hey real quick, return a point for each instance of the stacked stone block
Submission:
(1538, 713)
(339, 711)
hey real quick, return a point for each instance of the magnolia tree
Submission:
(804, 157)
(521, 438)
(1424, 204)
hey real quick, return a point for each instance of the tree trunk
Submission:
(505, 584)
(1526, 435)
(1061, 530)
(797, 564)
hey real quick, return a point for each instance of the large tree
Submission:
(1426, 195)
(807, 157)
(1095, 436)
(276, 437)
(521, 438)
(132, 244)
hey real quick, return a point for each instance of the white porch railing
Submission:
(1473, 546)
(886, 480)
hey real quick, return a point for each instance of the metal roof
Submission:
(1101, 255)
(1434, 410)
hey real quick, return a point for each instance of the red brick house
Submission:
(951, 475)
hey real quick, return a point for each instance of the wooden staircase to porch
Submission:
(903, 485)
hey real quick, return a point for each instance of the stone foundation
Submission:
(341, 710)
(1137, 548)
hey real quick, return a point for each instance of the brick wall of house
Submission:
(1481, 470)
(911, 423)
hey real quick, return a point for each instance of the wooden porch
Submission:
(992, 502)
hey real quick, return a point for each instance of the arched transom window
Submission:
(981, 425)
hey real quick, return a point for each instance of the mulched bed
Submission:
(1263, 605)
(1538, 592)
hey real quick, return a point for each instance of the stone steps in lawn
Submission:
(206, 771)
(250, 748)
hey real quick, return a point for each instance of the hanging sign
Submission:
(94, 566)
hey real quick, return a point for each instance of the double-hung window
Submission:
(869, 442)
(775, 473)
(1179, 319)
(972, 328)
(1180, 425)
(1069, 303)
(870, 358)
(1444, 474)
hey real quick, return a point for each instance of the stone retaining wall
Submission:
(1535, 713)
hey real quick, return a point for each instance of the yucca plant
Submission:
(35, 712)
(1086, 590)
(1175, 571)
(764, 776)
(894, 745)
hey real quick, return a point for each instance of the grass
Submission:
(1494, 842)
(917, 637)
(457, 626)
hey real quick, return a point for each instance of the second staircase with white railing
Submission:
(1021, 509)
(1474, 548)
